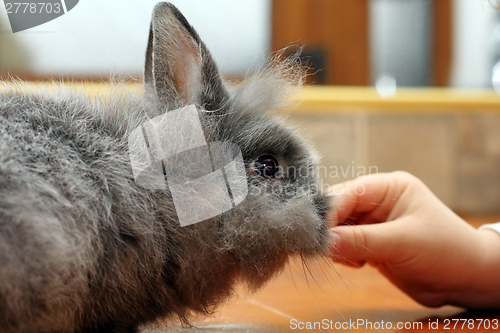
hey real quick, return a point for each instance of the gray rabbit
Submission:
(83, 248)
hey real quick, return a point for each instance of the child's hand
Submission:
(395, 223)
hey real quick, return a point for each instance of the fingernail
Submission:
(334, 245)
(335, 239)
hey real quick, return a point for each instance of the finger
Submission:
(384, 242)
(370, 198)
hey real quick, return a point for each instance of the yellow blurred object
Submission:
(345, 98)
(93, 89)
(338, 98)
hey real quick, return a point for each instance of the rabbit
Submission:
(83, 248)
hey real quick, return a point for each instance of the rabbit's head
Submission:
(283, 212)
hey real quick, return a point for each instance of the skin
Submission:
(395, 223)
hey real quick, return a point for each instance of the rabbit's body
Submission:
(83, 248)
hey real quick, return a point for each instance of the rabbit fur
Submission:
(84, 249)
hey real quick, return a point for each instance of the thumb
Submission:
(382, 242)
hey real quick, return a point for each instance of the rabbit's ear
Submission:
(178, 65)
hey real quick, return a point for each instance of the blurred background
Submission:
(101, 38)
(434, 111)
(347, 42)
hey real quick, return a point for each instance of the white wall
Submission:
(473, 43)
(109, 37)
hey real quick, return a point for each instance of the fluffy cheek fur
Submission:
(261, 235)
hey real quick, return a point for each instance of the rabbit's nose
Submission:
(321, 202)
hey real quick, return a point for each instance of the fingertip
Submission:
(338, 250)
(349, 243)
(338, 255)
(335, 240)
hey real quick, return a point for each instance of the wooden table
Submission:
(331, 295)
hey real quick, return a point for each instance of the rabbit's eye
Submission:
(267, 166)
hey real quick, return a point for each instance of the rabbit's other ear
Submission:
(178, 64)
